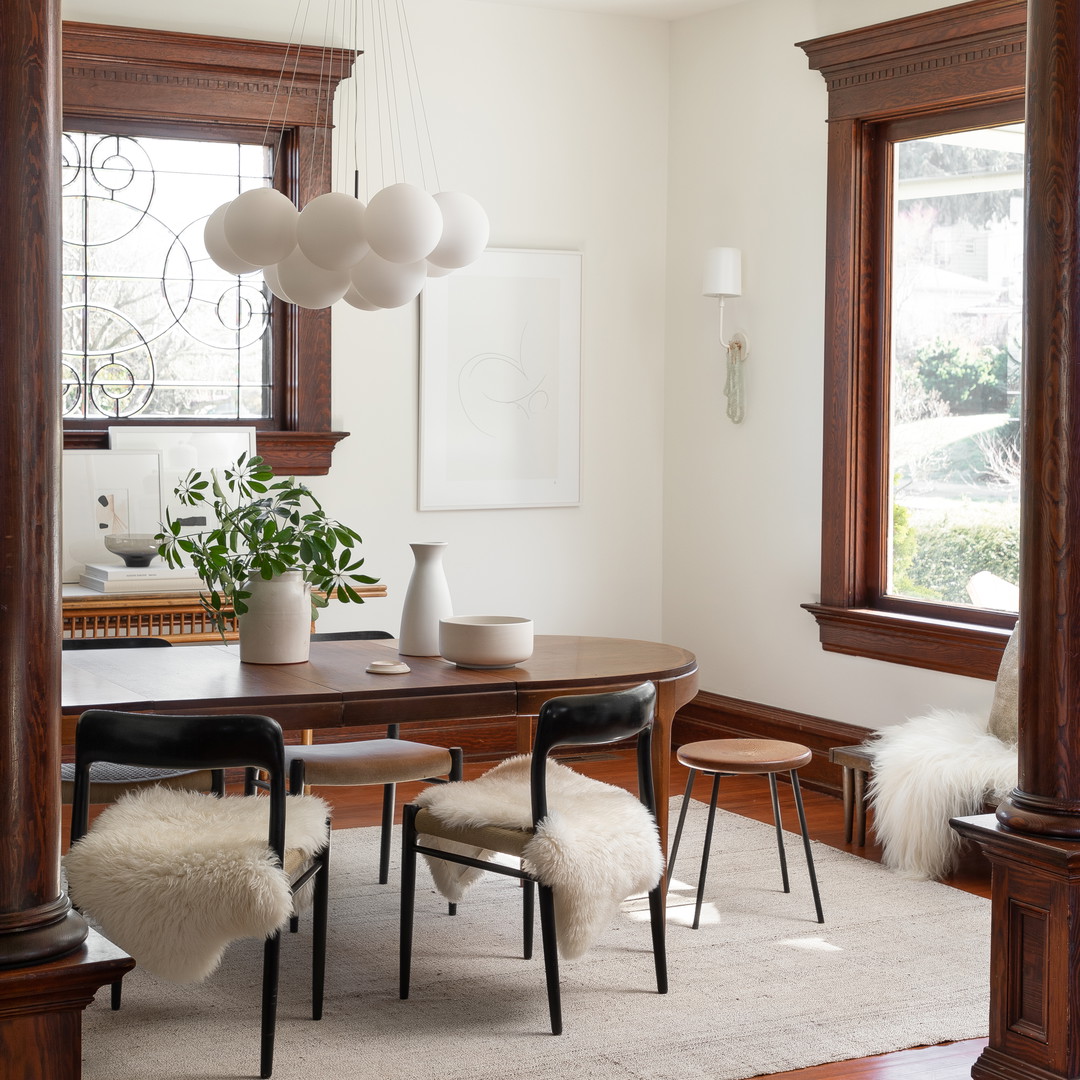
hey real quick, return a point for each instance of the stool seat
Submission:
(744, 755)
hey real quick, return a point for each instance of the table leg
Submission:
(666, 707)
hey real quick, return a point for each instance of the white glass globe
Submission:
(437, 271)
(388, 284)
(357, 301)
(270, 276)
(465, 230)
(308, 285)
(402, 223)
(330, 231)
(260, 226)
(217, 247)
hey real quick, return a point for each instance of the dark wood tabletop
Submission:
(334, 689)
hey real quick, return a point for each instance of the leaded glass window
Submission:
(152, 328)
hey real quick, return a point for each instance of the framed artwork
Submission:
(500, 383)
(106, 492)
(183, 449)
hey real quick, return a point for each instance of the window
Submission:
(942, 94)
(152, 328)
(155, 336)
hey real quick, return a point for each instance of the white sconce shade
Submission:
(330, 231)
(218, 248)
(403, 223)
(260, 226)
(723, 272)
(308, 285)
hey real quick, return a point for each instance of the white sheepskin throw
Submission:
(927, 770)
(597, 846)
(173, 876)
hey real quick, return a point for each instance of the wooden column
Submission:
(1034, 841)
(47, 973)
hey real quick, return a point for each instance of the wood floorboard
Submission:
(748, 796)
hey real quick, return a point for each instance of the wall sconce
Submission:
(723, 278)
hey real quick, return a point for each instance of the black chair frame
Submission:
(578, 720)
(210, 742)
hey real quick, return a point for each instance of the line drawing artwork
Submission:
(500, 361)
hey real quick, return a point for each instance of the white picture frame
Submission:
(500, 383)
(183, 449)
(106, 492)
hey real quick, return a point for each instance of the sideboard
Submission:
(176, 616)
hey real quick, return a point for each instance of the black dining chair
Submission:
(249, 854)
(363, 762)
(580, 720)
(108, 780)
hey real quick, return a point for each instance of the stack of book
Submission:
(110, 578)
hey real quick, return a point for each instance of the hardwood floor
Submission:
(749, 796)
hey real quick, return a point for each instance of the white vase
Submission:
(426, 602)
(276, 629)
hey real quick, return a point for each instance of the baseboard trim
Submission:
(714, 716)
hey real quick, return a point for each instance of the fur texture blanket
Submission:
(173, 876)
(927, 770)
(597, 846)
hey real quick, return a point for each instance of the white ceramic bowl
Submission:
(485, 641)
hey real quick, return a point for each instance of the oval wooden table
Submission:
(333, 689)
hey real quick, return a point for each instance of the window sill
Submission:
(956, 647)
(289, 453)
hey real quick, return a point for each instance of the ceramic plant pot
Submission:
(276, 629)
(426, 602)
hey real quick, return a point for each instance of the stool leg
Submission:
(682, 818)
(779, 831)
(849, 802)
(860, 807)
(806, 843)
(705, 852)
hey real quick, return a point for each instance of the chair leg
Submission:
(779, 832)
(457, 763)
(320, 902)
(659, 941)
(271, 956)
(678, 828)
(408, 897)
(115, 993)
(551, 956)
(705, 851)
(528, 893)
(806, 844)
(387, 830)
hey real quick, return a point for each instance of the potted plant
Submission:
(272, 557)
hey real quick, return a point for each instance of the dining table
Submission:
(334, 688)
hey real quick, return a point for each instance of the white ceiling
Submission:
(656, 9)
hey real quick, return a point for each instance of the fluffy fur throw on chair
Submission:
(597, 846)
(173, 876)
(927, 770)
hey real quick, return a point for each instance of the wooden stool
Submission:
(856, 761)
(731, 757)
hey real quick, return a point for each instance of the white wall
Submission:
(557, 123)
(742, 510)
(690, 528)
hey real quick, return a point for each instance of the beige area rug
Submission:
(761, 987)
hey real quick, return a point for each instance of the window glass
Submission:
(954, 386)
(152, 328)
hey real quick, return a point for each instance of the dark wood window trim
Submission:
(163, 83)
(966, 57)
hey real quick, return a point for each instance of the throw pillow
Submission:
(1003, 712)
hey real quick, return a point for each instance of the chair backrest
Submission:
(352, 635)
(181, 742)
(594, 720)
(77, 643)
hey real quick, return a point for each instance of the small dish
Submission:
(136, 549)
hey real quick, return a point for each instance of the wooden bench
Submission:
(856, 762)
